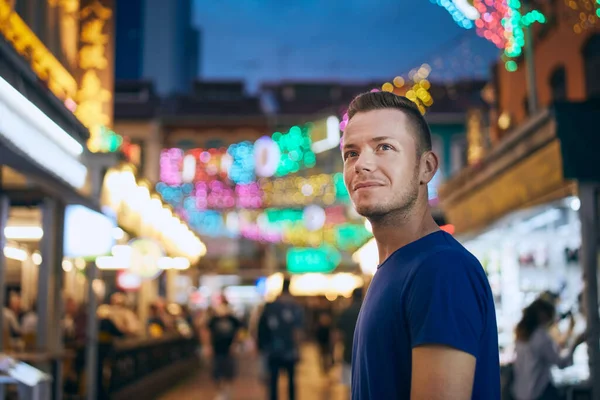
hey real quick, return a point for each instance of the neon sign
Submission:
(304, 260)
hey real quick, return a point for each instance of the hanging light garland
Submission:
(587, 14)
(415, 88)
(502, 22)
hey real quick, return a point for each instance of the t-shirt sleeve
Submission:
(446, 302)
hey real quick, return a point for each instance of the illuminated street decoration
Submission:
(31, 48)
(144, 214)
(295, 150)
(240, 163)
(415, 88)
(586, 14)
(288, 192)
(325, 134)
(462, 11)
(502, 22)
(304, 260)
(95, 60)
(266, 157)
(243, 163)
(322, 189)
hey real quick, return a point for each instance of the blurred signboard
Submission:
(305, 259)
(96, 80)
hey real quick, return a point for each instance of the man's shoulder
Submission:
(453, 257)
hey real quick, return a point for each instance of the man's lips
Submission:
(364, 185)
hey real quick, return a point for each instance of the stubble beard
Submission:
(395, 211)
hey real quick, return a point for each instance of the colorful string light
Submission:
(586, 14)
(280, 226)
(502, 22)
(459, 14)
(415, 88)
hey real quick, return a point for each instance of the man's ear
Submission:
(428, 167)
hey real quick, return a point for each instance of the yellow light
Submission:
(398, 81)
(504, 121)
(30, 47)
(387, 87)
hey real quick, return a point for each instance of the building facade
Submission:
(526, 206)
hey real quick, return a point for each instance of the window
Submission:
(591, 57)
(558, 84)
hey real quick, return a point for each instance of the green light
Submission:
(304, 260)
(351, 236)
(295, 149)
(109, 140)
(598, 10)
(511, 66)
(341, 193)
(276, 216)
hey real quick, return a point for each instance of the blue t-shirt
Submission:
(431, 291)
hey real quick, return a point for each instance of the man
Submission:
(345, 326)
(279, 332)
(222, 332)
(427, 327)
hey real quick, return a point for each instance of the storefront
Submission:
(153, 240)
(519, 211)
(44, 179)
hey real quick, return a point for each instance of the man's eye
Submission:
(386, 147)
(349, 154)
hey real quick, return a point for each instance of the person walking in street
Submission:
(221, 333)
(427, 328)
(279, 332)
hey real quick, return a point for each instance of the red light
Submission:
(449, 228)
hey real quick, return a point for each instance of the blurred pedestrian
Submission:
(537, 353)
(221, 333)
(324, 336)
(279, 333)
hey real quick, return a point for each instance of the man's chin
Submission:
(371, 211)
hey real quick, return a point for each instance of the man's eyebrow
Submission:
(382, 139)
(376, 139)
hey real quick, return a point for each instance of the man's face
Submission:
(381, 169)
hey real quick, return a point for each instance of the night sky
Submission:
(270, 40)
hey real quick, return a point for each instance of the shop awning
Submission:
(45, 183)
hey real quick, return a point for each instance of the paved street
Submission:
(312, 384)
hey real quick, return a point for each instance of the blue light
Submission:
(242, 167)
(460, 19)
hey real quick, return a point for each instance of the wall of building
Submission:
(556, 45)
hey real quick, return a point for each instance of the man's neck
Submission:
(395, 233)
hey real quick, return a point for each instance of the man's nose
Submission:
(365, 162)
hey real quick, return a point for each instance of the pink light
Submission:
(171, 162)
(70, 104)
(249, 195)
(204, 157)
(343, 125)
(253, 232)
